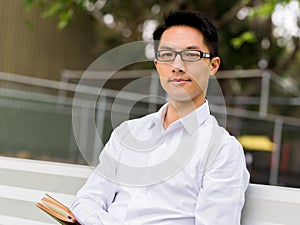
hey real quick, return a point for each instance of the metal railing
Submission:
(46, 107)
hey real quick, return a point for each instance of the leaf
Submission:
(28, 4)
(54, 9)
(62, 24)
(64, 18)
(245, 37)
(265, 10)
(29, 24)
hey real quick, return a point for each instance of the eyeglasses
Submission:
(169, 55)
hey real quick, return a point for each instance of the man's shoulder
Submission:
(223, 134)
(221, 145)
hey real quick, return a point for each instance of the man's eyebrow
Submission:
(193, 47)
(165, 47)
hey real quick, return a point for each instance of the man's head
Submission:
(193, 19)
(186, 56)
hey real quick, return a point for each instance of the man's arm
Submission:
(101, 201)
(221, 196)
(92, 201)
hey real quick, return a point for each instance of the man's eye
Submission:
(166, 54)
(192, 54)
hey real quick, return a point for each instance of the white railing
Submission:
(104, 105)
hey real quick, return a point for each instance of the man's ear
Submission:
(214, 65)
(155, 62)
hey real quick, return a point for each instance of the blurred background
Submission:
(46, 45)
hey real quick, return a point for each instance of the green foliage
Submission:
(64, 18)
(244, 41)
(238, 37)
(245, 37)
(63, 10)
(263, 11)
(54, 8)
(28, 4)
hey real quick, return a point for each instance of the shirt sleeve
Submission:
(97, 197)
(222, 193)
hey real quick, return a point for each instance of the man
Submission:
(176, 166)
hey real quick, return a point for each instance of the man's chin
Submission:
(181, 99)
(186, 99)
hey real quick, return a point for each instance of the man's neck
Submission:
(177, 110)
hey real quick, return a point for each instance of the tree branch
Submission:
(282, 66)
(230, 14)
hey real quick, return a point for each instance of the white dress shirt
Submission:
(149, 175)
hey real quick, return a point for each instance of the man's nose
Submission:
(178, 65)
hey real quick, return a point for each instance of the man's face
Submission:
(182, 80)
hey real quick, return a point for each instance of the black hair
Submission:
(197, 20)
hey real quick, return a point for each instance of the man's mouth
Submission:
(179, 80)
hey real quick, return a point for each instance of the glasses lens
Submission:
(165, 55)
(191, 55)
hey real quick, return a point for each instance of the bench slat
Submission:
(20, 203)
(41, 181)
(55, 168)
(11, 220)
(271, 204)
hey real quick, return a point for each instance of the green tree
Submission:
(245, 25)
(248, 38)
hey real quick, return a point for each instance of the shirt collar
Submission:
(194, 119)
(159, 117)
(190, 122)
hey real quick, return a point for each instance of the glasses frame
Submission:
(202, 55)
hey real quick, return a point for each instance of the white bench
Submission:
(24, 182)
(271, 205)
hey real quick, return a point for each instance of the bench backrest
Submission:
(271, 205)
(24, 182)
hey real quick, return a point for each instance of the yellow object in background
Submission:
(256, 142)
